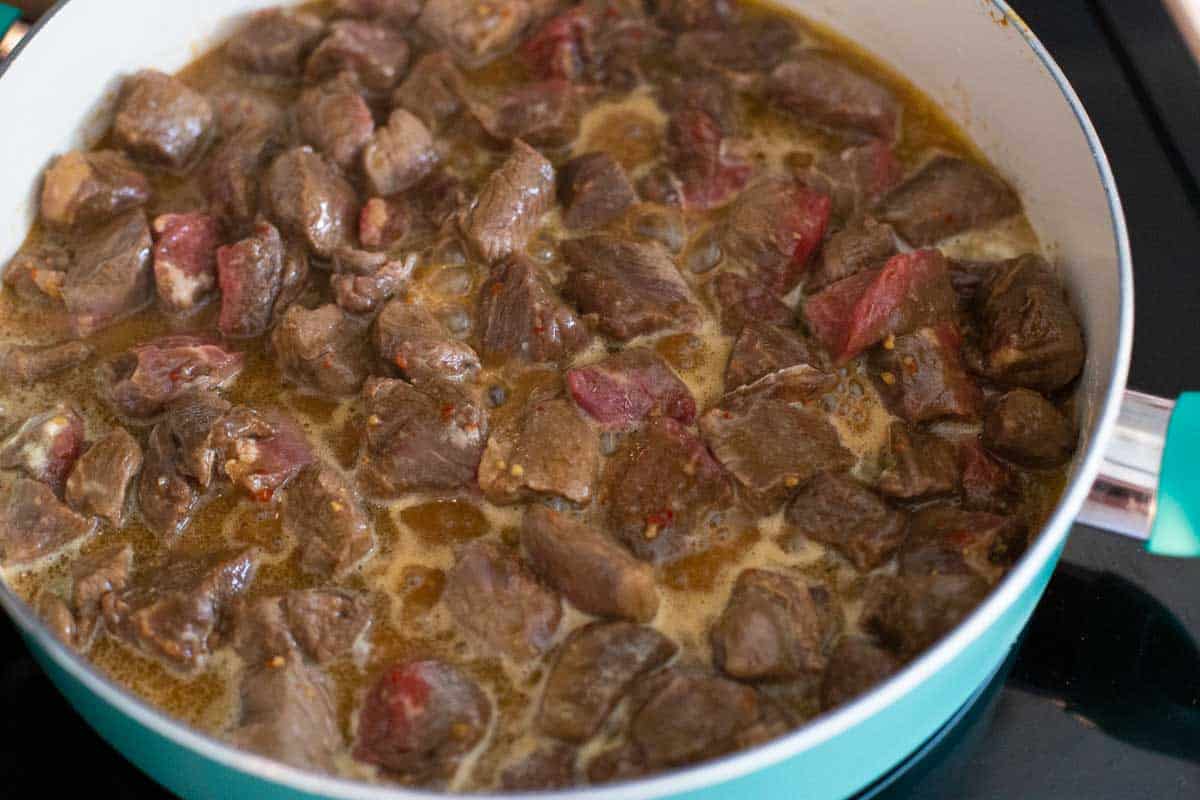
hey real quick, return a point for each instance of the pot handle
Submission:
(1149, 482)
(11, 29)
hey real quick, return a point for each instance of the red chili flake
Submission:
(264, 495)
(401, 361)
(447, 412)
(661, 519)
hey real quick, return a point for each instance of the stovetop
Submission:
(1101, 700)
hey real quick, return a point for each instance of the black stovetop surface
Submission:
(1102, 699)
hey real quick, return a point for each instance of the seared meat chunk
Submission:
(258, 630)
(520, 316)
(837, 510)
(250, 273)
(85, 188)
(37, 272)
(684, 15)
(627, 387)
(100, 479)
(375, 55)
(544, 114)
(420, 438)
(947, 196)
(92, 577)
(289, 714)
(34, 523)
(322, 349)
(335, 120)
(1029, 335)
(511, 203)
(909, 613)
(399, 155)
(325, 514)
(593, 572)
(945, 539)
(476, 31)
(495, 598)
(162, 121)
(708, 172)
(917, 464)
(762, 348)
(326, 622)
(633, 287)
(1026, 428)
(987, 484)
(595, 666)
(233, 172)
(141, 383)
(185, 259)
(275, 41)
(56, 615)
(433, 90)
(776, 226)
(243, 109)
(112, 275)
(419, 720)
(855, 178)
(743, 300)
(743, 52)
(309, 199)
(862, 244)
(822, 91)
(921, 377)
(190, 423)
(856, 665)
(363, 281)
(392, 12)
(594, 190)
(262, 450)
(167, 497)
(384, 221)
(662, 486)
(45, 446)
(408, 335)
(691, 716)
(592, 43)
(170, 611)
(23, 365)
(549, 767)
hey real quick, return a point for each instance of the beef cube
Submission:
(24, 365)
(92, 577)
(383, 222)
(771, 629)
(627, 387)
(170, 611)
(594, 190)
(838, 511)
(549, 767)
(294, 282)
(917, 464)
(112, 276)
(232, 174)
(35, 524)
(397, 13)
(325, 515)
(510, 205)
(326, 622)
(240, 110)
(765, 435)
(162, 121)
(408, 335)
(684, 15)
(56, 615)
(258, 631)
(520, 316)
(288, 714)
(363, 281)
(250, 273)
(1026, 429)
(856, 666)
(550, 450)
(433, 90)
(912, 290)
(820, 90)
(855, 178)
(323, 350)
(910, 613)
(987, 484)
(776, 226)
(710, 173)
(947, 196)
(335, 120)
(624, 762)
(476, 31)
(595, 666)
(420, 438)
(167, 497)
(563, 47)
(762, 348)
(544, 114)
(494, 597)
(743, 300)
(190, 423)
(945, 539)
(275, 42)
(45, 446)
(185, 259)
(863, 244)
(593, 572)
(743, 52)
(100, 479)
(921, 377)
(662, 488)
(84, 188)
(143, 381)
(691, 717)
(375, 55)
(633, 287)
(419, 719)
(309, 199)
(1029, 335)
(37, 273)
(262, 450)
(399, 155)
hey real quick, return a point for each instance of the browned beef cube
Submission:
(921, 377)
(544, 114)
(190, 423)
(384, 221)
(100, 479)
(141, 383)
(627, 387)
(322, 349)
(294, 282)
(45, 446)
(426, 438)
(275, 41)
(911, 612)
(325, 515)
(856, 665)
(691, 716)
(945, 539)
(399, 155)
(309, 199)
(419, 719)
(233, 172)
(433, 90)
(548, 767)
(250, 273)
(58, 618)
(837, 510)
(776, 226)
(987, 484)
(409, 336)
(1029, 335)
(855, 178)
(684, 15)
(595, 666)
(743, 52)
(476, 31)
(23, 365)
(743, 300)
(363, 281)
(334, 119)
(520, 316)
(593, 572)
(92, 577)
(762, 348)
(918, 464)
(288, 714)
(326, 622)
(262, 450)
(258, 630)
(510, 205)
(376, 55)
(947, 196)
(112, 276)
(1026, 428)
(162, 121)
(83, 188)
(167, 497)
(594, 190)
(495, 598)
(624, 762)
(34, 523)
(708, 173)
(244, 109)
(185, 259)
(392, 12)
(633, 287)
(820, 90)
(170, 610)
(862, 244)
(37, 272)
(662, 488)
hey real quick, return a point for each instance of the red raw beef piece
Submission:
(624, 389)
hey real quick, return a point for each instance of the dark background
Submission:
(1103, 697)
